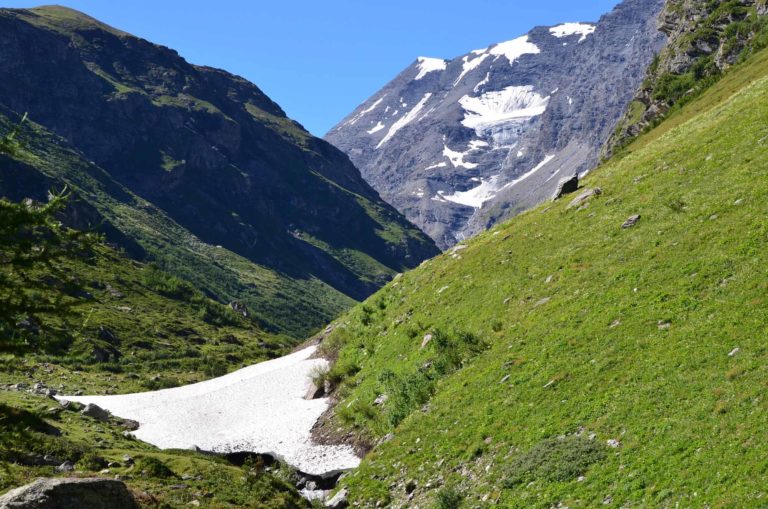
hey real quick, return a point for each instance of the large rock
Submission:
(582, 198)
(339, 500)
(65, 493)
(96, 412)
(565, 186)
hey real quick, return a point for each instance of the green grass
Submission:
(160, 479)
(595, 333)
(159, 331)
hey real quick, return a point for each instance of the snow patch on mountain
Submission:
(511, 103)
(457, 158)
(405, 120)
(489, 188)
(428, 65)
(515, 48)
(530, 173)
(476, 196)
(569, 29)
(378, 127)
(363, 113)
(469, 66)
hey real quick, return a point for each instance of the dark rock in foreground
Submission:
(68, 493)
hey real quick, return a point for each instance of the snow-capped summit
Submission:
(459, 144)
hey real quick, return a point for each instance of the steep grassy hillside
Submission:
(197, 170)
(562, 360)
(85, 318)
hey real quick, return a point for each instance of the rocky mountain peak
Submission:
(457, 145)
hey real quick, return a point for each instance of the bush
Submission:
(92, 461)
(555, 459)
(449, 498)
(150, 466)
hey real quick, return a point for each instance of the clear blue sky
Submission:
(319, 59)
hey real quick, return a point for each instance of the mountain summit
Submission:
(196, 169)
(457, 145)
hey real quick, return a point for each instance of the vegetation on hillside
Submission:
(706, 38)
(623, 366)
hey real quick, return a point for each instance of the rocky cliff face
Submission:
(207, 151)
(704, 39)
(457, 145)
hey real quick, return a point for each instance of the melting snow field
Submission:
(512, 103)
(258, 409)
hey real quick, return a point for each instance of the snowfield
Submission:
(258, 409)
(428, 65)
(498, 107)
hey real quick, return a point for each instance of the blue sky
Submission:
(319, 59)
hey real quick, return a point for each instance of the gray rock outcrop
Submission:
(66, 493)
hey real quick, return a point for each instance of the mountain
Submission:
(704, 39)
(607, 349)
(457, 145)
(195, 169)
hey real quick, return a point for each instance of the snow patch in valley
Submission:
(569, 29)
(438, 165)
(428, 65)
(404, 120)
(378, 127)
(492, 108)
(260, 408)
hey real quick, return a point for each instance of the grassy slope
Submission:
(277, 301)
(168, 333)
(633, 344)
(175, 334)
(159, 478)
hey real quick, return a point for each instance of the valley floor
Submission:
(259, 409)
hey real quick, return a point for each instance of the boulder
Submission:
(584, 197)
(426, 340)
(239, 308)
(314, 392)
(339, 500)
(631, 221)
(67, 466)
(66, 493)
(96, 412)
(565, 186)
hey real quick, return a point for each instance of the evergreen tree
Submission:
(37, 292)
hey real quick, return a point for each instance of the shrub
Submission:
(150, 466)
(449, 498)
(555, 459)
(92, 461)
